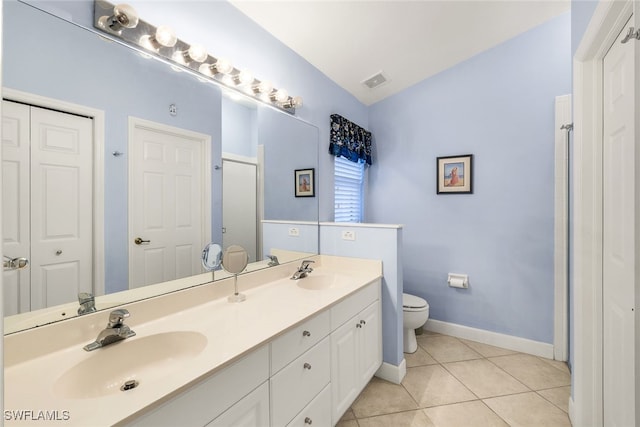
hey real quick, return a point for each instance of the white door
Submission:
(168, 209)
(50, 208)
(345, 379)
(239, 206)
(370, 343)
(618, 235)
(15, 205)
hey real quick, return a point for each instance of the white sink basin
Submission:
(143, 359)
(317, 282)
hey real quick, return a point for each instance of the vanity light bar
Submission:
(122, 21)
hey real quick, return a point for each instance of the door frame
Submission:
(586, 403)
(138, 123)
(98, 118)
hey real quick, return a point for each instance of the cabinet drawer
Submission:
(292, 344)
(205, 401)
(316, 413)
(295, 385)
(355, 303)
(251, 411)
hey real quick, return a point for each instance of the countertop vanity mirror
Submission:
(154, 154)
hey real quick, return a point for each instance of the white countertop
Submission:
(35, 359)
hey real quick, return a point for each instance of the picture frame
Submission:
(304, 182)
(454, 174)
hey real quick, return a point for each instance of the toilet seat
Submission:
(413, 303)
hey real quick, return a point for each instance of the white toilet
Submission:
(415, 315)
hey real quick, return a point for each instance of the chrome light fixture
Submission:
(122, 21)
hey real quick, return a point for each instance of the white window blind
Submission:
(348, 180)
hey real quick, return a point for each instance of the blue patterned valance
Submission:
(349, 140)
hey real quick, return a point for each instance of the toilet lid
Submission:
(412, 301)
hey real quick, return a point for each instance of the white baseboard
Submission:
(572, 417)
(392, 373)
(509, 342)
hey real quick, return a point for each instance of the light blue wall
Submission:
(227, 32)
(381, 242)
(581, 13)
(239, 128)
(498, 106)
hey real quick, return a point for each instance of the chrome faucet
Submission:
(273, 261)
(303, 270)
(115, 331)
(87, 303)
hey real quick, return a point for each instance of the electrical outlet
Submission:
(294, 231)
(348, 235)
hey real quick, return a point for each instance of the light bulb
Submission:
(124, 16)
(245, 77)
(223, 66)
(297, 101)
(282, 95)
(166, 36)
(265, 86)
(198, 53)
(206, 69)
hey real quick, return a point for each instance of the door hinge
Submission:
(631, 34)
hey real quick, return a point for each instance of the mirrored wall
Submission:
(162, 156)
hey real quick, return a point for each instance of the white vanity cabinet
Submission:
(356, 349)
(309, 375)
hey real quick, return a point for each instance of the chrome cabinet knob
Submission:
(307, 366)
(306, 334)
(308, 420)
(362, 322)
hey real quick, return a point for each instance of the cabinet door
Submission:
(369, 343)
(345, 380)
(251, 411)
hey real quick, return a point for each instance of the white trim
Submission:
(392, 373)
(561, 230)
(509, 342)
(605, 24)
(205, 140)
(98, 170)
(239, 158)
(279, 221)
(360, 224)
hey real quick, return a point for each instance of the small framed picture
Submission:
(305, 183)
(454, 174)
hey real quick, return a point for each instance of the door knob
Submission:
(140, 241)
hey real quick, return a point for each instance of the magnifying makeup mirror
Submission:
(212, 258)
(234, 260)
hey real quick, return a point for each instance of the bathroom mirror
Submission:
(136, 96)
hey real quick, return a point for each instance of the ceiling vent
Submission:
(375, 80)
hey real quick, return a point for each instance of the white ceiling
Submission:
(350, 41)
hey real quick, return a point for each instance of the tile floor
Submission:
(452, 382)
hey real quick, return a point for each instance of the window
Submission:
(348, 181)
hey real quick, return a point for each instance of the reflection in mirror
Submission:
(212, 257)
(106, 95)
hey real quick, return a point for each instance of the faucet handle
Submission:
(305, 263)
(116, 317)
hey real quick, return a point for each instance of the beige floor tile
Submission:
(447, 349)
(487, 350)
(558, 396)
(348, 423)
(484, 378)
(348, 415)
(557, 364)
(432, 385)
(467, 414)
(400, 419)
(528, 410)
(419, 358)
(382, 397)
(532, 371)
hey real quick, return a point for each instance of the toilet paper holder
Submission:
(456, 280)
